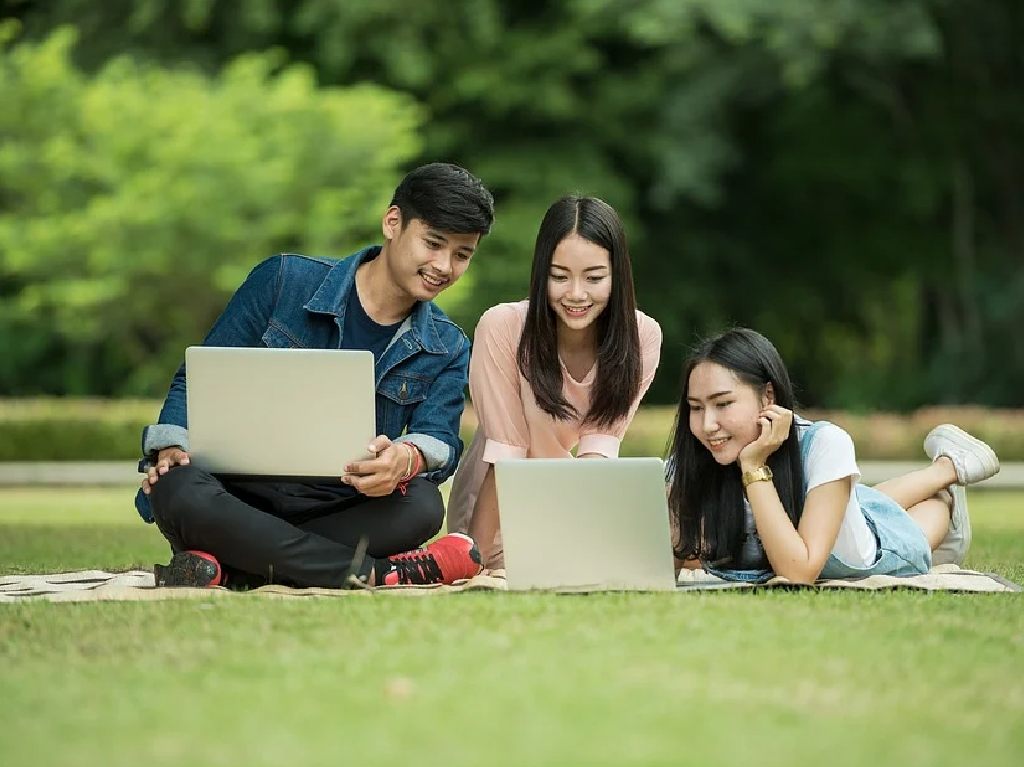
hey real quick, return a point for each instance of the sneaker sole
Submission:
(187, 571)
(964, 441)
(955, 551)
(959, 494)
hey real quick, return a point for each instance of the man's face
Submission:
(422, 260)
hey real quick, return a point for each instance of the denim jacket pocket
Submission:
(277, 337)
(399, 395)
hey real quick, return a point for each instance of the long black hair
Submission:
(706, 498)
(619, 366)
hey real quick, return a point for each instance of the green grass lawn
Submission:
(500, 679)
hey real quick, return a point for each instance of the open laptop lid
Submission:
(279, 413)
(585, 524)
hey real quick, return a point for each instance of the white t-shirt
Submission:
(831, 457)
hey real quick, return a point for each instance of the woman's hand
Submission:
(775, 423)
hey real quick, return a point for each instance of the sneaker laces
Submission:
(416, 567)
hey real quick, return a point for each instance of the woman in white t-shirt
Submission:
(755, 490)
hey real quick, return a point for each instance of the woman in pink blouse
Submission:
(564, 369)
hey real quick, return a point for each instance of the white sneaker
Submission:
(973, 460)
(954, 547)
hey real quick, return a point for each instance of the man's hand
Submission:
(380, 475)
(166, 459)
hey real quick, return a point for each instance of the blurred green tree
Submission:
(134, 201)
(845, 175)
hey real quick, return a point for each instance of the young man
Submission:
(369, 526)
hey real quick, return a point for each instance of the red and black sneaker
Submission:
(190, 568)
(452, 558)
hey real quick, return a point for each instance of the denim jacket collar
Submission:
(332, 297)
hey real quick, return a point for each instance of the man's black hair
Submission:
(447, 198)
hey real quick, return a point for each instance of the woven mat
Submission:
(137, 585)
(939, 578)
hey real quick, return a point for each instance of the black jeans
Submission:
(297, 534)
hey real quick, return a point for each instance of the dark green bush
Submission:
(73, 429)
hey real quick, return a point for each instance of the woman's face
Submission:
(724, 410)
(579, 282)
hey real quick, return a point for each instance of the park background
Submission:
(846, 176)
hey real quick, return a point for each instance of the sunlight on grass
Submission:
(67, 505)
(517, 680)
(499, 679)
(51, 529)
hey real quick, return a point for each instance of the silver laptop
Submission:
(279, 413)
(585, 525)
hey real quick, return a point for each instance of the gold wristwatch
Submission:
(760, 474)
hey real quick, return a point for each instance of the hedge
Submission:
(108, 430)
(877, 436)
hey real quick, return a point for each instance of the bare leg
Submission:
(483, 527)
(932, 516)
(920, 486)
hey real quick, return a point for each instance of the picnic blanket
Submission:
(939, 578)
(137, 585)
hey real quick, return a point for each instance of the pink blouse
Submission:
(512, 424)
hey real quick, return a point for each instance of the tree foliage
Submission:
(135, 200)
(845, 175)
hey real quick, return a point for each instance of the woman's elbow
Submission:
(800, 573)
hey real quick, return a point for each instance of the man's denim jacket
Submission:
(295, 301)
